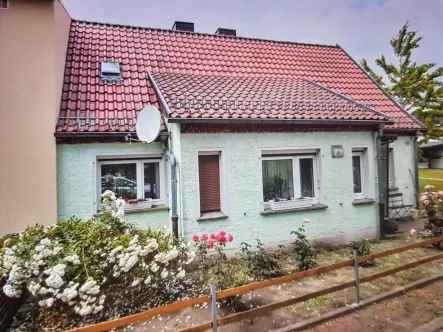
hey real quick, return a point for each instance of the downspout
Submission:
(174, 215)
(381, 196)
(416, 168)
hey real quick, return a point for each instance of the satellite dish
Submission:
(148, 124)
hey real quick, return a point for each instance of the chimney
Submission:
(183, 26)
(226, 32)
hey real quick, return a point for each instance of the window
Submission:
(391, 168)
(110, 71)
(209, 182)
(140, 182)
(284, 176)
(3, 4)
(359, 173)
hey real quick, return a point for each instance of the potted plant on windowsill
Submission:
(133, 204)
(289, 202)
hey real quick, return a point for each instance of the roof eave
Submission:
(100, 134)
(280, 121)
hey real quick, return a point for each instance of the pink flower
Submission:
(429, 186)
(222, 232)
(212, 236)
(218, 237)
(205, 236)
(195, 237)
(426, 202)
(210, 243)
(412, 231)
(423, 197)
(230, 237)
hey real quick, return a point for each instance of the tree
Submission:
(418, 88)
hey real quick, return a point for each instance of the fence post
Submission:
(357, 285)
(213, 307)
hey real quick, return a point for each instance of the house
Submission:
(255, 136)
(433, 151)
(33, 42)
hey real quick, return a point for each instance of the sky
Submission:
(362, 27)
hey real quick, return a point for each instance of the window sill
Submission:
(212, 216)
(393, 188)
(161, 207)
(309, 208)
(363, 201)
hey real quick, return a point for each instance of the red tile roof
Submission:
(90, 104)
(239, 97)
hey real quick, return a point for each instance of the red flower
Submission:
(230, 237)
(218, 237)
(205, 236)
(126, 200)
(195, 237)
(210, 243)
(212, 236)
(222, 232)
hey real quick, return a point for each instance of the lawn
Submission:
(427, 176)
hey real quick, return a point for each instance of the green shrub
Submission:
(260, 264)
(71, 263)
(306, 254)
(363, 248)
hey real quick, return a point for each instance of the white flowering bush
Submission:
(73, 263)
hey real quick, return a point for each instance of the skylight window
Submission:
(110, 71)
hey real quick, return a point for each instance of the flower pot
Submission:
(288, 204)
(414, 213)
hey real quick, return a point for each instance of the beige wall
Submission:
(33, 39)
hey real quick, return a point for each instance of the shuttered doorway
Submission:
(209, 178)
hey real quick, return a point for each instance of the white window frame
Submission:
(391, 168)
(296, 174)
(140, 181)
(363, 175)
(221, 163)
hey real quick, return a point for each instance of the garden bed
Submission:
(312, 308)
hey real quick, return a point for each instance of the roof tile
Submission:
(140, 50)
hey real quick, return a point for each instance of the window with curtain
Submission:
(291, 176)
(358, 173)
(132, 179)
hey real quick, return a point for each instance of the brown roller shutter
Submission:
(209, 178)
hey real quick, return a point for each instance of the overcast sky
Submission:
(361, 27)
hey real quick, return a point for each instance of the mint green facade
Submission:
(77, 179)
(342, 221)
(242, 186)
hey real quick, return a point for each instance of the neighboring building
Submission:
(433, 152)
(248, 121)
(33, 40)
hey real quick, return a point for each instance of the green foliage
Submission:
(363, 248)
(75, 264)
(316, 301)
(416, 87)
(260, 264)
(305, 253)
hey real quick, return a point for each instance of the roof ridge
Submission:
(340, 95)
(206, 34)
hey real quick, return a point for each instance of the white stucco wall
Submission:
(404, 166)
(241, 165)
(76, 179)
